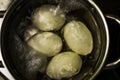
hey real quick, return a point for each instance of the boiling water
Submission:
(31, 63)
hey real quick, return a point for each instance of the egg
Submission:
(48, 18)
(64, 65)
(47, 43)
(78, 37)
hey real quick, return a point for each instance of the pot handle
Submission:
(116, 63)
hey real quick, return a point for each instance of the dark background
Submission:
(111, 7)
(108, 6)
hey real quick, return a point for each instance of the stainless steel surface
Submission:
(1, 19)
(4, 69)
(4, 4)
(107, 38)
(117, 19)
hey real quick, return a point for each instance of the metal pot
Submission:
(84, 10)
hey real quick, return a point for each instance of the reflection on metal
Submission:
(107, 38)
(4, 70)
(1, 19)
(117, 19)
(113, 63)
(3, 77)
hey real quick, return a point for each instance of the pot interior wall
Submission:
(18, 56)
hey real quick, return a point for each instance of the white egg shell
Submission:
(78, 37)
(48, 18)
(64, 65)
(46, 43)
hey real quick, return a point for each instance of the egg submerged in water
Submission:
(48, 18)
(46, 43)
(28, 61)
(78, 37)
(64, 65)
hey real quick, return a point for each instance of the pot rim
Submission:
(107, 41)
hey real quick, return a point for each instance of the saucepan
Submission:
(23, 62)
